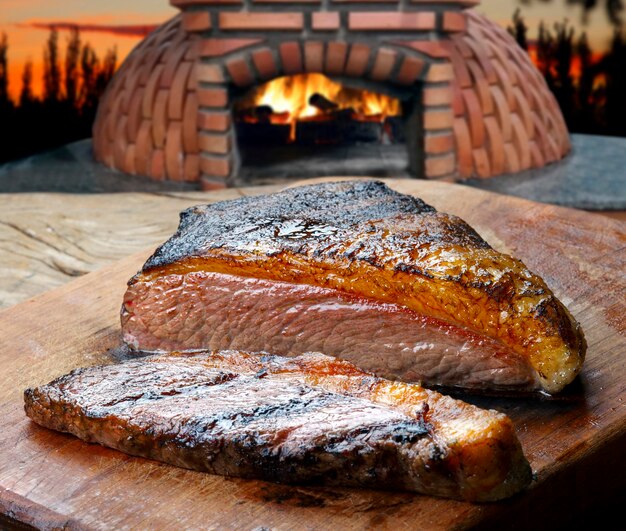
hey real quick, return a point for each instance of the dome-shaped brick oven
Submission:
(483, 109)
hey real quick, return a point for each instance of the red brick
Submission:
(495, 145)
(521, 142)
(217, 97)
(440, 166)
(215, 166)
(214, 121)
(357, 60)
(463, 141)
(191, 167)
(261, 21)
(196, 20)
(264, 63)
(314, 56)
(134, 113)
(171, 66)
(239, 71)
(502, 112)
(157, 165)
(437, 144)
(159, 118)
(173, 151)
(190, 124)
(482, 56)
(440, 72)
(461, 73)
(219, 47)
(410, 70)
(336, 58)
(474, 115)
(209, 73)
(432, 96)
(453, 21)
(435, 49)
(512, 160)
(214, 143)
(129, 160)
(458, 105)
(383, 65)
(178, 92)
(211, 185)
(326, 21)
(481, 86)
(291, 57)
(536, 155)
(390, 21)
(525, 113)
(481, 163)
(440, 119)
(143, 148)
(193, 49)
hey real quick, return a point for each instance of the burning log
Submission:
(322, 103)
(262, 114)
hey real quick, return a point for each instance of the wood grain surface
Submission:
(575, 443)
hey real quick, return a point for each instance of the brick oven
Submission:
(457, 98)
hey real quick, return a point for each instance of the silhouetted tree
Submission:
(26, 94)
(564, 83)
(72, 57)
(613, 8)
(545, 54)
(52, 72)
(69, 102)
(519, 29)
(4, 71)
(615, 72)
(584, 98)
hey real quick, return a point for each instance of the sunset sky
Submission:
(122, 23)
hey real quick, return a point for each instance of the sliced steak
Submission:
(372, 256)
(219, 311)
(310, 419)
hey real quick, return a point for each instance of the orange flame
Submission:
(291, 95)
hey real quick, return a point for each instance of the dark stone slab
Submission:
(592, 177)
(72, 169)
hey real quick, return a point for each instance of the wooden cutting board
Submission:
(575, 444)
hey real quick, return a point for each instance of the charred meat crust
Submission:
(368, 240)
(311, 419)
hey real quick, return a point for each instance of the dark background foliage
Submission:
(590, 87)
(66, 110)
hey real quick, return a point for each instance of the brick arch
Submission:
(486, 109)
(248, 64)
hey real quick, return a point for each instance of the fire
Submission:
(288, 98)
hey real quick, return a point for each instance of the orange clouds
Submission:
(131, 30)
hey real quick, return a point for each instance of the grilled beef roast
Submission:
(358, 271)
(309, 419)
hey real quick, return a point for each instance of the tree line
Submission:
(66, 108)
(590, 88)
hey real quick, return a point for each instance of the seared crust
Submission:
(368, 240)
(307, 419)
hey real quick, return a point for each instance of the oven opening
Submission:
(310, 125)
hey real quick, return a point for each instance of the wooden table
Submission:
(47, 240)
